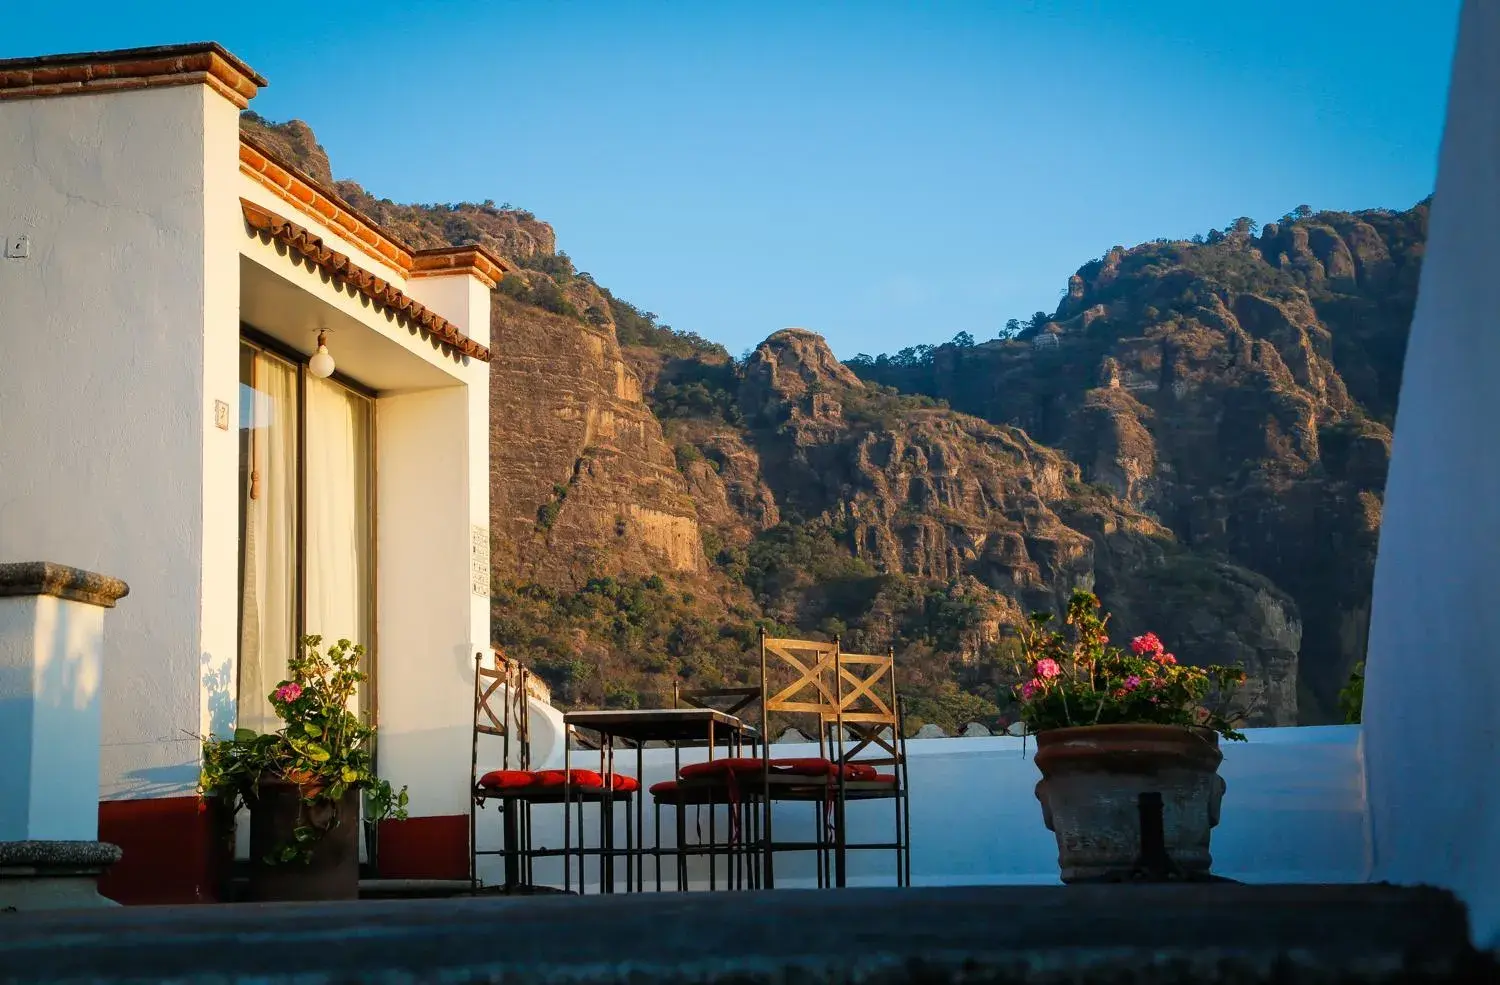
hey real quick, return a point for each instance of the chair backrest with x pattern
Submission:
(500, 706)
(868, 707)
(489, 710)
(796, 677)
(812, 664)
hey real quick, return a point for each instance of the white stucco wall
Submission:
(1293, 813)
(1432, 670)
(429, 623)
(462, 299)
(51, 669)
(103, 431)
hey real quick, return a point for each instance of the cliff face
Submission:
(953, 500)
(582, 482)
(1242, 391)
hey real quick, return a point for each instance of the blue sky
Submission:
(883, 173)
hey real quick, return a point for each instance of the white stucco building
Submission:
(162, 286)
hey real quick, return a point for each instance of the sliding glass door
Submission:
(306, 521)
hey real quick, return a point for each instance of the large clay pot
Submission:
(331, 873)
(1091, 786)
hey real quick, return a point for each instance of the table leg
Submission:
(640, 817)
(607, 817)
(568, 815)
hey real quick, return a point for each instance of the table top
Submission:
(658, 724)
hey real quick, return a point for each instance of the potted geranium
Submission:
(1113, 724)
(303, 782)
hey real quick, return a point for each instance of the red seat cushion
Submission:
(802, 767)
(881, 778)
(621, 783)
(672, 790)
(749, 767)
(507, 779)
(859, 771)
(580, 778)
(716, 768)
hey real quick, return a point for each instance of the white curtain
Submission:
(268, 425)
(337, 493)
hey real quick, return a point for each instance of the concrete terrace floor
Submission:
(1180, 934)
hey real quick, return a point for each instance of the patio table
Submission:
(679, 728)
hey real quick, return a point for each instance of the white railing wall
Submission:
(1294, 812)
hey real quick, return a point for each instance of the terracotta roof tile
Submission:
(302, 242)
(205, 63)
(474, 259)
(306, 194)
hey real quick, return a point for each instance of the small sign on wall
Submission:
(479, 561)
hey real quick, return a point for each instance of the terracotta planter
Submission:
(1092, 781)
(332, 873)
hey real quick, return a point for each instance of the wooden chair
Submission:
(796, 677)
(860, 729)
(867, 731)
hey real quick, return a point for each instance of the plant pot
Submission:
(219, 851)
(1092, 781)
(332, 871)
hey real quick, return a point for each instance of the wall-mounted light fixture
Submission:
(321, 363)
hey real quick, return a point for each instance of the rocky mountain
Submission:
(1198, 433)
(1241, 390)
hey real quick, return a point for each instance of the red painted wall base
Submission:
(172, 853)
(424, 848)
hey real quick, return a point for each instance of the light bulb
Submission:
(321, 364)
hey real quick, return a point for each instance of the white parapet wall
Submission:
(1294, 813)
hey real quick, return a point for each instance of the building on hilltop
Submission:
(163, 286)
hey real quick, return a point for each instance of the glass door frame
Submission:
(250, 336)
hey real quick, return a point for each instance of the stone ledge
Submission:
(58, 854)
(59, 580)
(1117, 934)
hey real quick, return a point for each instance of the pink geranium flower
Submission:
(1164, 658)
(1132, 682)
(1047, 668)
(289, 692)
(1031, 689)
(1145, 644)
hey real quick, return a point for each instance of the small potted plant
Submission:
(1113, 724)
(303, 782)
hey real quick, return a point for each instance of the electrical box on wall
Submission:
(17, 247)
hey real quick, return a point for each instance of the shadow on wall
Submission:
(219, 690)
(180, 779)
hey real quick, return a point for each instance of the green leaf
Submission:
(350, 775)
(313, 730)
(317, 753)
(245, 735)
(304, 834)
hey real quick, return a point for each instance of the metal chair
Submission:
(507, 787)
(518, 791)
